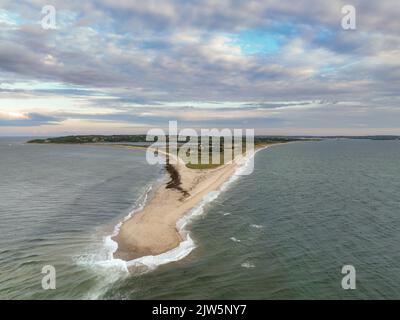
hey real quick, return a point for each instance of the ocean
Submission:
(283, 232)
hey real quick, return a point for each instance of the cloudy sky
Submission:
(279, 66)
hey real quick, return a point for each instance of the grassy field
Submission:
(210, 165)
(123, 140)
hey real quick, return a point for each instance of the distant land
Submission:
(92, 139)
(141, 138)
(82, 139)
(381, 137)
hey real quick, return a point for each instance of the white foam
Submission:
(112, 246)
(187, 245)
(247, 265)
(102, 258)
(257, 226)
(234, 239)
(152, 262)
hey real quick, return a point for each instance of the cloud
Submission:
(14, 119)
(122, 55)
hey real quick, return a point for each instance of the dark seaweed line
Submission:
(175, 182)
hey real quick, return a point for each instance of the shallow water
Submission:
(57, 203)
(283, 232)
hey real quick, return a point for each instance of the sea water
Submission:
(285, 231)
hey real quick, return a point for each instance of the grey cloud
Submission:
(32, 120)
(136, 53)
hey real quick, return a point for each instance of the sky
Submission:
(120, 67)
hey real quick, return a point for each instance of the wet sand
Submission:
(153, 231)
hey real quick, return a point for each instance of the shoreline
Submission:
(156, 233)
(153, 230)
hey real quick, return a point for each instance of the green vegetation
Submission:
(258, 143)
(92, 139)
(140, 140)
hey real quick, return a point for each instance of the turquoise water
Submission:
(283, 232)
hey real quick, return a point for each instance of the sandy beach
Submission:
(153, 231)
